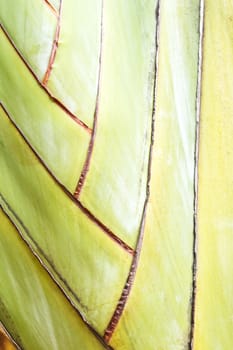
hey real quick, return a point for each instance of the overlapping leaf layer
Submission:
(103, 243)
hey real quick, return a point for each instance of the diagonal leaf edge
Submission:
(50, 277)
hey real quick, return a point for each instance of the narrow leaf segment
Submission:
(133, 269)
(213, 326)
(116, 172)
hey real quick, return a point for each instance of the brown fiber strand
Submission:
(104, 228)
(93, 331)
(54, 48)
(133, 269)
(52, 8)
(54, 99)
(195, 177)
(87, 162)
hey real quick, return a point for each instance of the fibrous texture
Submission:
(115, 174)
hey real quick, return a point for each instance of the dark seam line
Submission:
(195, 175)
(54, 48)
(96, 334)
(8, 333)
(54, 99)
(86, 165)
(52, 8)
(133, 269)
(104, 228)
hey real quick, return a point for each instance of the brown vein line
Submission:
(52, 97)
(104, 228)
(54, 48)
(112, 235)
(52, 8)
(196, 161)
(87, 162)
(133, 269)
(38, 257)
(8, 334)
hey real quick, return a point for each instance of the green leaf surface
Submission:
(115, 205)
(118, 168)
(60, 232)
(30, 300)
(74, 76)
(157, 314)
(32, 26)
(59, 141)
(213, 327)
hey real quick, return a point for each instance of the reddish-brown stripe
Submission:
(54, 48)
(54, 99)
(110, 234)
(86, 166)
(133, 269)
